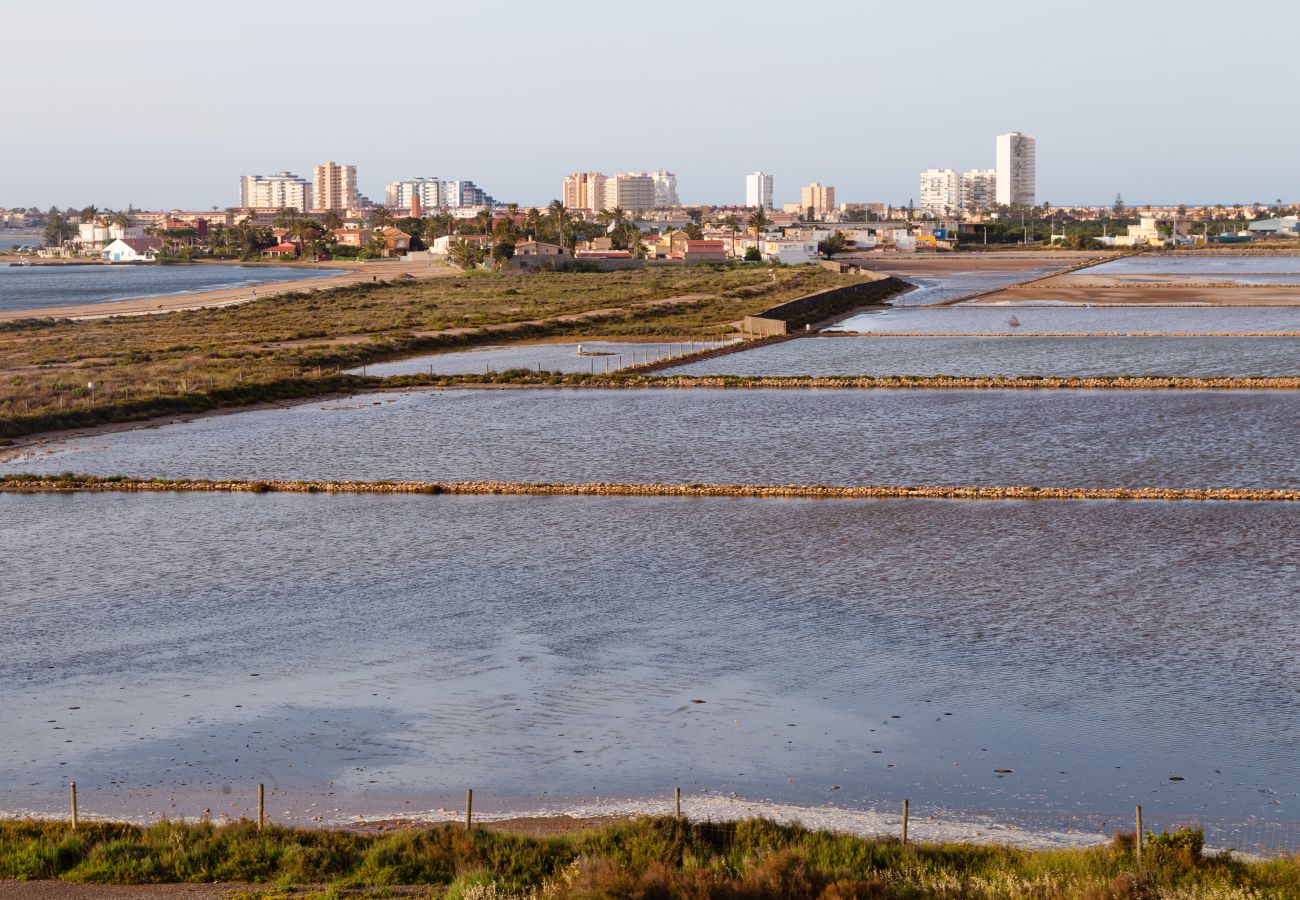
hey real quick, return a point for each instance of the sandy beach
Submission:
(347, 272)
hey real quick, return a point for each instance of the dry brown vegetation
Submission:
(264, 349)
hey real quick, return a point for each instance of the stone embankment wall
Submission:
(824, 305)
(33, 483)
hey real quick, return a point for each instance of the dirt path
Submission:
(347, 273)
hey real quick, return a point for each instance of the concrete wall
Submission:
(833, 302)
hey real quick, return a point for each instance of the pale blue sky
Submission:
(164, 103)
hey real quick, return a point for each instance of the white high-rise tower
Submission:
(758, 190)
(1015, 169)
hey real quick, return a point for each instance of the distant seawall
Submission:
(69, 483)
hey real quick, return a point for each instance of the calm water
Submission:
(1076, 438)
(601, 356)
(380, 654)
(41, 287)
(1074, 320)
(1028, 355)
(950, 286)
(9, 240)
(1161, 264)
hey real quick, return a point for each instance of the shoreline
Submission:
(23, 483)
(28, 442)
(354, 272)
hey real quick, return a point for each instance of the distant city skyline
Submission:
(1183, 134)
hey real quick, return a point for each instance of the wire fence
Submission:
(906, 821)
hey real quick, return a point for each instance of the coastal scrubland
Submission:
(59, 373)
(643, 858)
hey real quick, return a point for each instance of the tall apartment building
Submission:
(979, 190)
(665, 189)
(758, 190)
(399, 194)
(465, 193)
(1016, 154)
(334, 186)
(820, 197)
(941, 191)
(585, 190)
(283, 190)
(631, 192)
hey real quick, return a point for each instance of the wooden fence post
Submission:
(261, 805)
(677, 801)
(73, 796)
(469, 808)
(1137, 838)
(904, 823)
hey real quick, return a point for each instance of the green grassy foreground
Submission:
(651, 857)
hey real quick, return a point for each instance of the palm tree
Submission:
(381, 217)
(560, 216)
(88, 213)
(732, 224)
(485, 220)
(759, 221)
(533, 220)
(613, 216)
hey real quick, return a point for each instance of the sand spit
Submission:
(69, 483)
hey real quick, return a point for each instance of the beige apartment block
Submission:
(821, 197)
(334, 186)
(585, 190)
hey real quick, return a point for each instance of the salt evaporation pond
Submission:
(1104, 438)
(1197, 357)
(953, 285)
(599, 356)
(1203, 264)
(379, 654)
(1063, 319)
(50, 287)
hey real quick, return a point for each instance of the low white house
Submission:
(131, 250)
(790, 252)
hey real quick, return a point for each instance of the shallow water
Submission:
(1012, 356)
(372, 654)
(913, 436)
(1074, 320)
(35, 287)
(951, 285)
(1209, 264)
(600, 356)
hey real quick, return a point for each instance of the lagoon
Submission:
(54, 286)
(378, 654)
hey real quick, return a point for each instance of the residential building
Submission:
(334, 187)
(461, 194)
(130, 250)
(979, 190)
(1016, 154)
(400, 194)
(631, 191)
(585, 190)
(707, 251)
(758, 190)
(283, 190)
(665, 189)
(538, 248)
(819, 197)
(941, 191)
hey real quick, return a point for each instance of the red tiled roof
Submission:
(283, 248)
